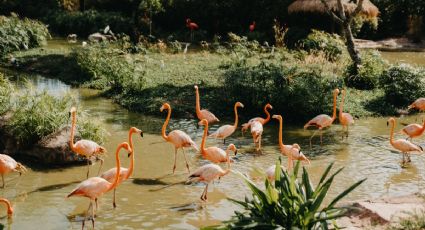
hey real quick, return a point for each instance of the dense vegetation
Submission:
(36, 114)
(290, 202)
(17, 34)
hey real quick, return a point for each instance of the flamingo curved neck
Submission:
(118, 162)
(228, 166)
(8, 205)
(71, 141)
(130, 139)
(334, 108)
(341, 106)
(392, 131)
(204, 137)
(164, 127)
(236, 117)
(198, 103)
(280, 133)
(267, 116)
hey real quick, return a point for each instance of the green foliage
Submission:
(5, 94)
(291, 202)
(402, 84)
(366, 77)
(331, 44)
(17, 34)
(415, 221)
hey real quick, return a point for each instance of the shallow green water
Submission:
(154, 199)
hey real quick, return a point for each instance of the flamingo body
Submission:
(257, 132)
(91, 188)
(203, 113)
(419, 104)
(252, 27)
(345, 119)
(206, 173)
(214, 154)
(226, 130)
(263, 121)
(8, 164)
(87, 148)
(414, 130)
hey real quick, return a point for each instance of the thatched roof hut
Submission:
(316, 6)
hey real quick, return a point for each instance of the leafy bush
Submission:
(331, 44)
(290, 203)
(5, 94)
(87, 22)
(16, 34)
(402, 84)
(291, 90)
(38, 114)
(368, 74)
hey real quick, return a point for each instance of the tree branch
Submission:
(341, 10)
(357, 10)
(332, 14)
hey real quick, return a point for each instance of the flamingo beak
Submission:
(129, 154)
(141, 133)
(236, 152)
(387, 123)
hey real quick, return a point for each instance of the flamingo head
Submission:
(233, 148)
(164, 107)
(296, 146)
(268, 106)
(277, 117)
(72, 111)
(100, 150)
(253, 23)
(188, 21)
(136, 130)
(203, 122)
(391, 120)
(238, 104)
(196, 87)
(125, 146)
(336, 91)
(9, 211)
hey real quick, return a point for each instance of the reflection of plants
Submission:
(290, 203)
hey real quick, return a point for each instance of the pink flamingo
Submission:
(252, 27)
(94, 187)
(214, 154)
(404, 146)
(227, 130)
(8, 205)
(85, 148)
(293, 152)
(322, 121)
(178, 138)
(345, 119)
(419, 104)
(192, 26)
(8, 164)
(124, 172)
(207, 173)
(257, 132)
(203, 114)
(414, 130)
(263, 121)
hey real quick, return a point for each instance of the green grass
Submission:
(415, 221)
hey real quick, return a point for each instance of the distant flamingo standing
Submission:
(252, 27)
(8, 205)
(214, 154)
(293, 152)
(207, 173)
(414, 130)
(345, 119)
(94, 187)
(419, 104)
(192, 26)
(263, 121)
(124, 172)
(404, 146)
(227, 130)
(85, 148)
(203, 114)
(322, 121)
(257, 132)
(8, 164)
(176, 137)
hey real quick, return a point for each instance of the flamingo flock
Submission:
(95, 187)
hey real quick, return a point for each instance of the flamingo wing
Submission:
(86, 147)
(206, 173)
(320, 121)
(223, 132)
(91, 188)
(215, 154)
(406, 146)
(347, 119)
(110, 175)
(210, 117)
(7, 163)
(412, 129)
(181, 139)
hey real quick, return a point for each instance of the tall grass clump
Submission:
(17, 34)
(5, 94)
(402, 84)
(290, 202)
(37, 114)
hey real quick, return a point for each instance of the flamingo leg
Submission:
(92, 213)
(347, 132)
(175, 158)
(224, 141)
(343, 132)
(187, 165)
(311, 138)
(408, 158)
(204, 193)
(113, 203)
(100, 167)
(87, 213)
(259, 143)
(88, 167)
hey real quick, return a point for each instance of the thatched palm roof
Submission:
(316, 6)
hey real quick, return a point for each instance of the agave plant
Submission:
(290, 202)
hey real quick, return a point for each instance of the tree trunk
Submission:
(82, 5)
(349, 41)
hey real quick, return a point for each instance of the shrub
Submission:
(367, 76)
(402, 84)
(37, 114)
(5, 94)
(290, 203)
(17, 34)
(331, 44)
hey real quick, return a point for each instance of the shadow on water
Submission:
(186, 208)
(148, 181)
(49, 188)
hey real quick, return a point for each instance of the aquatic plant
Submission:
(290, 202)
